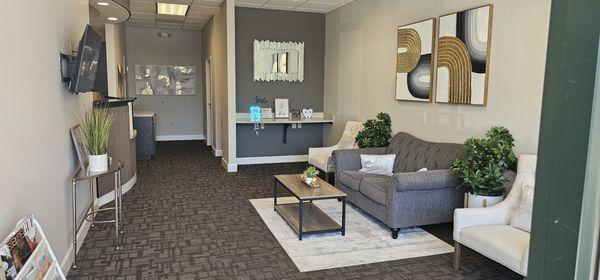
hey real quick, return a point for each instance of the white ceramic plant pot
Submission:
(98, 163)
(308, 180)
(477, 201)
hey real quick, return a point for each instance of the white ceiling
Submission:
(314, 6)
(143, 12)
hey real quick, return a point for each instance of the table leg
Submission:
(117, 208)
(92, 198)
(74, 213)
(343, 216)
(120, 201)
(274, 194)
(300, 218)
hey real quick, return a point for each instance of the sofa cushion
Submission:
(376, 188)
(413, 153)
(502, 243)
(352, 179)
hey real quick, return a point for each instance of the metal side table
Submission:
(84, 174)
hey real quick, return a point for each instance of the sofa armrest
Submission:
(350, 159)
(424, 180)
(499, 214)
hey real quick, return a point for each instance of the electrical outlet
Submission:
(294, 126)
(299, 125)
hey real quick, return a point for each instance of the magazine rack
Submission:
(42, 255)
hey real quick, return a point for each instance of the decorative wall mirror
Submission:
(278, 61)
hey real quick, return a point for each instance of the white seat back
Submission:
(347, 141)
(525, 175)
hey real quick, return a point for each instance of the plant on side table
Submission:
(376, 132)
(310, 174)
(481, 170)
(95, 127)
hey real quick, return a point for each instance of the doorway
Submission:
(210, 108)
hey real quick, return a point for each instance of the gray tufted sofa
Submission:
(408, 198)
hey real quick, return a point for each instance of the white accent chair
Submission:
(488, 230)
(321, 157)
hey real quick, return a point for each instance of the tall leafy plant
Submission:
(486, 159)
(376, 132)
(95, 127)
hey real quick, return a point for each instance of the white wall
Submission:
(360, 60)
(36, 113)
(176, 116)
(115, 51)
(219, 45)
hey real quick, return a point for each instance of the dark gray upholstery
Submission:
(408, 198)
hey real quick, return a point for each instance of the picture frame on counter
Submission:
(267, 113)
(282, 108)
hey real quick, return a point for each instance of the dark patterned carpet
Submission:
(187, 218)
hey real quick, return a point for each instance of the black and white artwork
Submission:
(415, 46)
(464, 57)
(165, 80)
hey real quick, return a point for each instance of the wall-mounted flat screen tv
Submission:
(86, 63)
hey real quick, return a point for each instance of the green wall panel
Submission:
(564, 135)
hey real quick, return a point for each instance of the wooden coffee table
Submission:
(304, 217)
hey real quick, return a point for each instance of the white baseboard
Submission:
(228, 166)
(108, 197)
(67, 261)
(273, 159)
(217, 153)
(180, 137)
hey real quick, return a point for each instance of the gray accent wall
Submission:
(261, 24)
(175, 115)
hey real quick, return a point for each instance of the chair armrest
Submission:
(321, 150)
(499, 214)
(424, 180)
(350, 159)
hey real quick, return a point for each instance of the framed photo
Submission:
(282, 108)
(82, 153)
(414, 64)
(267, 113)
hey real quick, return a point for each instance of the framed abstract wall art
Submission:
(414, 62)
(464, 56)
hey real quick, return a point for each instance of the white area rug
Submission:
(366, 240)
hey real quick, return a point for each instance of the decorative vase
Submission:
(308, 180)
(479, 201)
(98, 163)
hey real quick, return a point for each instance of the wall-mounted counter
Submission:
(278, 140)
(317, 118)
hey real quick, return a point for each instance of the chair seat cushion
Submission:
(320, 161)
(376, 188)
(353, 179)
(501, 243)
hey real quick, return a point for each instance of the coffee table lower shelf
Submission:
(314, 220)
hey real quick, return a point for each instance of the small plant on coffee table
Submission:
(311, 172)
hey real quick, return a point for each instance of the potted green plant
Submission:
(481, 169)
(95, 127)
(376, 132)
(310, 174)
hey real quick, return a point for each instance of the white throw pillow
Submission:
(377, 164)
(522, 219)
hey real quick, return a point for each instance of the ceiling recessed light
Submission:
(102, 3)
(171, 9)
(112, 18)
(163, 34)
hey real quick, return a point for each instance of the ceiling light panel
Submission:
(171, 9)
